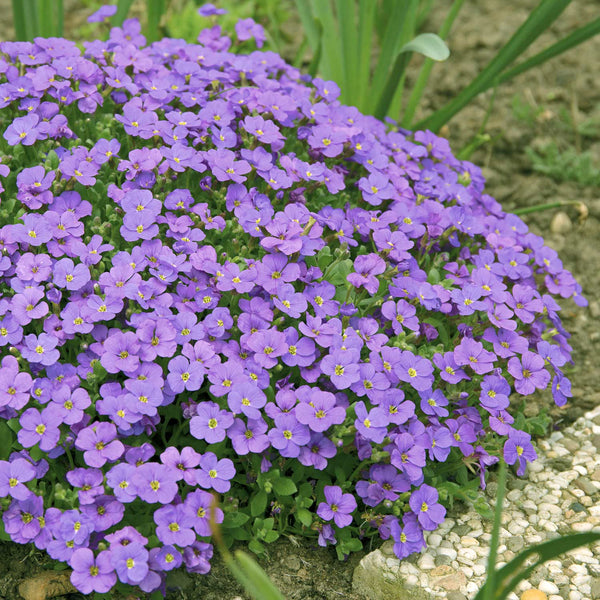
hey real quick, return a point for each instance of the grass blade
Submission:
(346, 17)
(46, 20)
(308, 22)
(156, 9)
(262, 588)
(423, 77)
(31, 20)
(332, 61)
(490, 582)
(18, 9)
(429, 44)
(545, 551)
(570, 41)
(366, 23)
(123, 7)
(392, 40)
(60, 18)
(537, 22)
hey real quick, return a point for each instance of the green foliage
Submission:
(565, 165)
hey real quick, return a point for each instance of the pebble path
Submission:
(559, 494)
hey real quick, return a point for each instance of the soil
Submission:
(567, 83)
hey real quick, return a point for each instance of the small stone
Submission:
(575, 595)
(462, 530)
(548, 587)
(426, 562)
(586, 485)
(595, 439)
(582, 526)
(533, 594)
(559, 464)
(442, 559)
(515, 543)
(452, 582)
(561, 223)
(595, 588)
(454, 595)
(450, 552)
(434, 540)
(577, 507)
(595, 476)
(468, 541)
(571, 445)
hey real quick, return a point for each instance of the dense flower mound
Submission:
(218, 282)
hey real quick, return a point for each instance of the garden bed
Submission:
(565, 84)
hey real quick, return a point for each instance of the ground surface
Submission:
(569, 84)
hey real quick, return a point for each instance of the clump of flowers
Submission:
(222, 292)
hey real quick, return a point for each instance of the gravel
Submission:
(561, 495)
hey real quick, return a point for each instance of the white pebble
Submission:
(412, 580)
(450, 552)
(548, 587)
(575, 595)
(426, 562)
(583, 526)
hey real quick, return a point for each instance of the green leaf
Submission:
(253, 578)
(304, 516)
(235, 519)
(123, 7)
(7, 438)
(538, 21)
(258, 504)
(509, 576)
(430, 45)
(256, 547)
(284, 486)
(270, 536)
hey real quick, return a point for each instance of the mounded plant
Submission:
(227, 298)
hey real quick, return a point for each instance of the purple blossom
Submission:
(529, 373)
(337, 506)
(424, 503)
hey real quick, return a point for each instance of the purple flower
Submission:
(415, 370)
(92, 574)
(174, 525)
(372, 424)
(121, 352)
(13, 476)
(154, 482)
(342, 369)
(23, 130)
(518, 448)
(320, 411)
(214, 473)
(99, 444)
(39, 428)
(409, 538)
(337, 506)
(130, 562)
(472, 353)
(367, 267)
(288, 435)
(210, 423)
(104, 12)
(529, 373)
(40, 349)
(423, 502)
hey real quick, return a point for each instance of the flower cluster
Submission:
(216, 279)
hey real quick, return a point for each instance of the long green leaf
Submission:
(60, 18)
(45, 9)
(423, 77)
(570, 41)
(155, 9)
(403, 16)
(18, 10)
(261, 587)
(510, 574)
(332, 60)
(491, 576)
(31, 19)
(429, 44)
(123, 7)
(538, 21)
(308, 22)
(366, 22)
(346, 17)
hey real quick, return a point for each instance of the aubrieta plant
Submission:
(223, 293)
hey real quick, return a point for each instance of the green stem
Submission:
(540, 207)
(490, 584)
